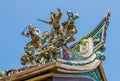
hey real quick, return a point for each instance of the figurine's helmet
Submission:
(68, 12)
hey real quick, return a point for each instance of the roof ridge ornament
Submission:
(51, 46)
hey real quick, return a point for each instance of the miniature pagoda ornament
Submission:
(47, 56)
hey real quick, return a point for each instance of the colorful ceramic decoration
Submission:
(81, 58)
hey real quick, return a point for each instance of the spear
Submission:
(42, 20)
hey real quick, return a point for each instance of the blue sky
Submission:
(15, 15)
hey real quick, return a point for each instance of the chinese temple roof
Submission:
(55, 57)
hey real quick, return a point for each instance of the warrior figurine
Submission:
(54, 21)
(34, 34)
(28, 55)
